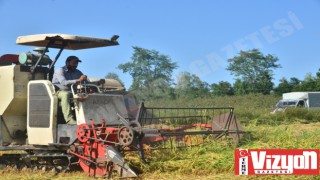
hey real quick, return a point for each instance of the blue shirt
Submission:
(63, 78)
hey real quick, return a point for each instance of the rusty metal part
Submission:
(83, 132)
(125, 136)
(181, 127)
(96, 151)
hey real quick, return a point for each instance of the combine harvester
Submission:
(109, 120)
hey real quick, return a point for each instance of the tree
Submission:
(295, 83)
(112, 75)
(283, 87)
(151, 73)
(240, 87)
(318, 74)
(223, 88)
(318, 80)
(309, 83)
(255, 70)
(191, 86)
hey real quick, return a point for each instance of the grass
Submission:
(216, 160)
(208, 161)
(30, 174)
(294, 128)
(247, 107)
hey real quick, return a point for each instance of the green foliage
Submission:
(240, 87)
(190, 86)
(309, 83)
(223, 88)
(283, 87)
(151, 73)
(255, 71)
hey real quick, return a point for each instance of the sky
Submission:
(200, 36)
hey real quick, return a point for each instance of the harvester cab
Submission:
(30, 118)
(29, 93)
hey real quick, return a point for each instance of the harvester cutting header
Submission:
(108, 119)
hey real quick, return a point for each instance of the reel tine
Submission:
(123, 120)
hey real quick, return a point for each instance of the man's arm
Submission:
(59, 76)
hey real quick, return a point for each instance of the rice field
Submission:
(295, 128)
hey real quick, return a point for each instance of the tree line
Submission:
(152, 71)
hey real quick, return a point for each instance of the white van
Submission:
(298, 99)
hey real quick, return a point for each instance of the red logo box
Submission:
(276, 162)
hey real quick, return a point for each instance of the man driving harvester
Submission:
(63, 78)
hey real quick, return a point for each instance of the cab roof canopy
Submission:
(65, 41)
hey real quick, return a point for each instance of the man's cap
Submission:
(73, 57)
